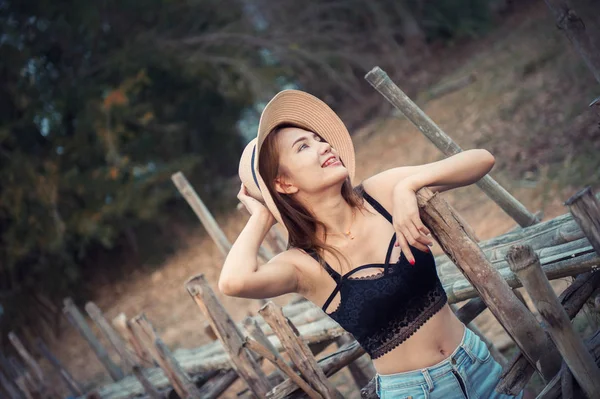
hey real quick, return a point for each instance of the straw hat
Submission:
(306, 111)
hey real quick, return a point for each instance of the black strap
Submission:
(388, 255)
(377, 206)
(333, 294)
(335, 275)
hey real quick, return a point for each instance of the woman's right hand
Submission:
(253, 206)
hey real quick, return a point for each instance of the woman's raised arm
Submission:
(241, 276)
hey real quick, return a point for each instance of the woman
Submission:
(362, 254)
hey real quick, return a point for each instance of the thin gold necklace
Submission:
(347, 234)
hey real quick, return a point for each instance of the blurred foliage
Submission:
(452, 19)
(94, 118)
(100, 102)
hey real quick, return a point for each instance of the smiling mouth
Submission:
(330, 161)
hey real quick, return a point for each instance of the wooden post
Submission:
(517, 374)
(330, 365)
(553, 389)
(11, 390)
(384, 85)
(585, 208)
(362, 369)
(70, 382)
(23, 379)
(75, 317)
(130, 360)
(297, 350)
(566, 382)
(281, 365)
(29, 361)
(574, 27)
(525, 263)
(216, 386)
(96, 314)
(182, 384)
(470, 310)
(516, 319)
(122, 325)
(253, 329)
(152, 392)
(208, 221)
(242, 361)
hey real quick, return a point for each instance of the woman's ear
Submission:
(284, 187)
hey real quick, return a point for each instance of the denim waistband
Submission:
(425, 376)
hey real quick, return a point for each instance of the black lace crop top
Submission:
(383, 310)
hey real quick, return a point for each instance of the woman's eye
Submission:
(302, 147)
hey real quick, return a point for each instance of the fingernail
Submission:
(396, 244)
(427, 249)
(412, 262)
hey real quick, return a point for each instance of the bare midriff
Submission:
(429, 345)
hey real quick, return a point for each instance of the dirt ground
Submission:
(528, 106)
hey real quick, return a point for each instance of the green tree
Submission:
(95, 115)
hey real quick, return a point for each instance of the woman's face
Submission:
(307, 163)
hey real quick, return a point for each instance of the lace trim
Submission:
(375, 276)
(418, 323)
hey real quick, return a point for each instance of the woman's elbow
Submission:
(487, 160)
(229, 287)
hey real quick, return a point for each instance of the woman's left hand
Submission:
(407, 222)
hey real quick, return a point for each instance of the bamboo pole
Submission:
(7, 385)
(75, 317)
(149, 389)
(566, 382)
(526, 265)
(130, 360)
(215, 387)
(330, 365)
(180, 381)
(96, 315)
(241, 360)
(585, 208)
(470, 310)
(282, 366)
(517, 374)
(123, 326)
(23, 379)
(40, 383)
(253, 329)
(574, 27)
(384, 85)
(208, 221)
(9, 372)
(516, 319)
(70, 382)
(362, 369)
(298, 351)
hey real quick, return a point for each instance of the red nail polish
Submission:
(412, 262)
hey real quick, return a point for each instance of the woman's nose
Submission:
(325, 147)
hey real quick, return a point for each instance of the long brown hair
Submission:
(300, 223)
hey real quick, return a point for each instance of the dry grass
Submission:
(528, 106)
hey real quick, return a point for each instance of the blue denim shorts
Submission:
(469, 372)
